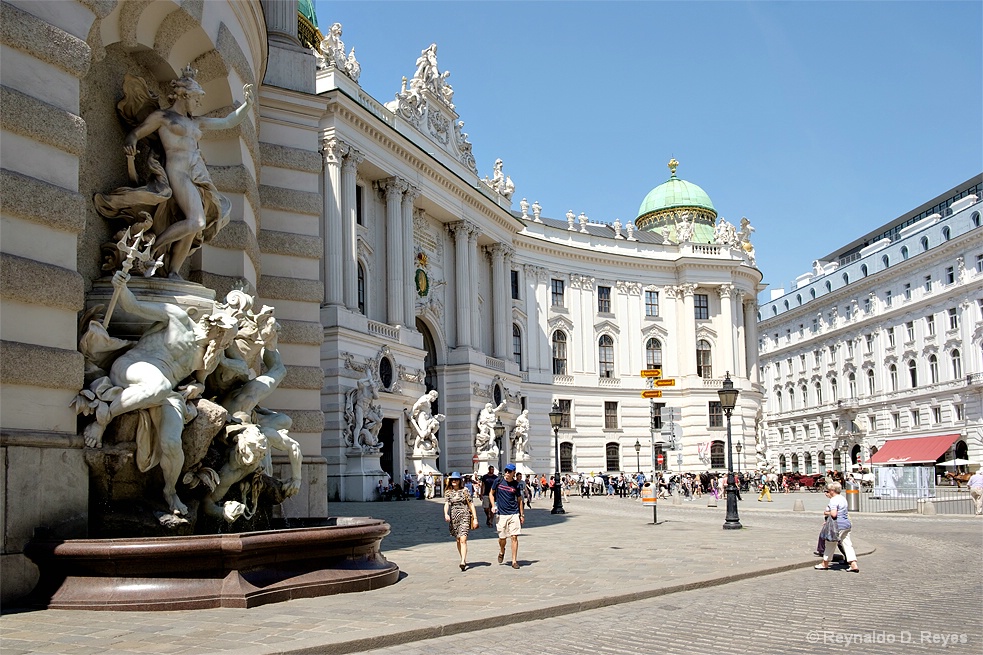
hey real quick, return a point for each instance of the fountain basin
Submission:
(239, 570)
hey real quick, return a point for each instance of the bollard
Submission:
(798, 506)
(677, 498)
(852, 491)
(711, 501)
(926, 507)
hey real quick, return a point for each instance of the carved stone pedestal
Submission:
(486, 459)
(361, 476)
(425, 464)
(192, 297)
(522, 465)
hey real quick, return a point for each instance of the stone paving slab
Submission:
(603, 552)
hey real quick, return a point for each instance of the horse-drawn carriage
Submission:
(814, 482)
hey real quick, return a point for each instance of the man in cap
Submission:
(487, 480)
(507, 501)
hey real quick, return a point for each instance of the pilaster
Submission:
(332, 151)
(349, 218)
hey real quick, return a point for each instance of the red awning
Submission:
(917, 450)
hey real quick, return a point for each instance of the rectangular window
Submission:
(849, 347)
(565, 408)
(359, 217)
(979, 263)
(928, 283)
(958, 411)
(610, 415)
(651, 303)
(869, 339)
(930, 325)
(603, 300)
(849, 312)
(815, 325)
(936, 415)
(916, 418)
(953, 318)
(557, 289)
(817, 356)
(656, 416)
(867, 306)
(907, 291)
(890, 336)
(515, 284)
(716, 415)
(888, 298)
(802, 362)
(950, 275)
(801, 329)
(896, 420)
(701, 302)
(910, 330)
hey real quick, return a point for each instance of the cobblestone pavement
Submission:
(604, 552)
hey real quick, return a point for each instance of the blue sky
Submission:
(819, 121)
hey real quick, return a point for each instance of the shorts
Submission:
(508, 525)
(486, 502)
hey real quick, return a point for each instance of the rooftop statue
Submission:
(333, 51)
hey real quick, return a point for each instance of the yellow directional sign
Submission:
(670, 382)
(652, 373)
(652, 393)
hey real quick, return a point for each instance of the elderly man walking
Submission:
(976, 490)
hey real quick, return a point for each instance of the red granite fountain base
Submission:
(203, 571)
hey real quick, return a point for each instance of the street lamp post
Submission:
(728, 399)
(499, 433)
(738, 447)
(638, 461)
(556, 417)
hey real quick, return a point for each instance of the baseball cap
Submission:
(510, 467)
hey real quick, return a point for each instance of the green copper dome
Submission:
(306, 9)
(675, 193)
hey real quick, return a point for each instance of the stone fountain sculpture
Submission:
(177, 440)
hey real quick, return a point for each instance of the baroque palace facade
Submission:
(392, 265)
(882, 343)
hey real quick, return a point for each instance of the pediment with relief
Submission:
(560, 322)
(606, 326)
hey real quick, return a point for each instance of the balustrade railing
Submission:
(383, 330)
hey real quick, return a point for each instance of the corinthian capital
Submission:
(725, 291)
(412, 193)
(352, 160)
(687, 289)
(462, 229)
(392, 188)
(333, 150)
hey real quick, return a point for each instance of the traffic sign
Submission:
(668, 382)
(652, 393)
(652, 373)
(474, 460)
(660, 458)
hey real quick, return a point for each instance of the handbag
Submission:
(830, 531)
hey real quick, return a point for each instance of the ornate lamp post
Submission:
(728, 399)
(638, 449)
(738, 447)
(556, 417)
(499, 433)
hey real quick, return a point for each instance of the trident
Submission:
(132, 253)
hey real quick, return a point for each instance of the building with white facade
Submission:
(393, 265)
(879, 343)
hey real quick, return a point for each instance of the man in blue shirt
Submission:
(507, 501)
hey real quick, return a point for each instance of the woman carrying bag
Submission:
(459, 514)
(837, 529)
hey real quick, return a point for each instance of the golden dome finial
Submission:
(673, 165)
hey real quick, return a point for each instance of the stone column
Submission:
(687, 330)
(751, 337)
(349, 218)
(740, 342)
(473, 288)
(500, 301)
(728, 329)
(394, 189)
(669, 304)
(462, 301)
(281, 20)
(409, 254)
(332, 150)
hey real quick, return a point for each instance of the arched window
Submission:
(653, 353)
(361, 289)
(924, 243)
(886, 261)
(774, 310)
(786, 304)
(778, 400)
(805, 395)
(933, 368)
(605, 356)
(559, 353)
(957, 365)
(892, 372)
(798, 298)
(566, 457)
(612, 457)
(791, 399)
(819, 393)
(821, 459)
(863, 270)
(913, 373)
(946, 233)
(837, 460)
(904, 253)
(795, 462)
(517, 346)
(852, 384)
(703, 356)
(782, 467)
(808, 462)
(846, 278)
(812, 292)
(976, 219)
(829, 286)
(717, 460)
(833, 390)
(870, 382)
